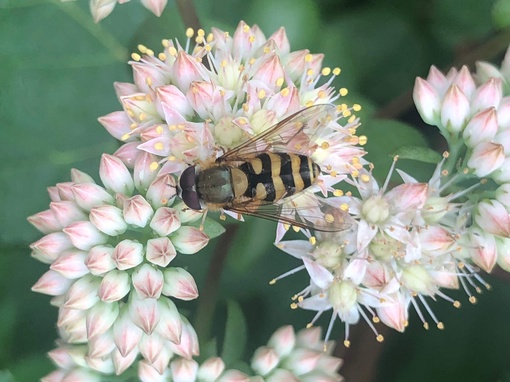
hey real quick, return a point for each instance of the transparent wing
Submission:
(305, 210)
(296, 133)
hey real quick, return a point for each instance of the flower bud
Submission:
(481, 128)
(71, 264)
(165, 221)
(427, 101)
(52, 283)
(283, 340)
(454, 110)
(83, 293)
(67, 212)
(89, 195)
(170, 324)
(180, 284)
(148, 281)
(486, 158)
(189, 240)
(115, 176)
(493, 218)
(160, 251)
(114, 286)
(264, 360)
(99, 260)
(108, 219)
(84, 235)
(127, 254)
(100, 318)
(137, 211)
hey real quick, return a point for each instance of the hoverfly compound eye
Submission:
(189, 194)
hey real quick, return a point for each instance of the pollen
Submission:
(252, 61)
(312, 240)
(338, 193)
(279, 81)
(343, 92)
(133, 126)
(251, 39)
(379, 338)
(150, 52)
(362, 140)
(326, 71)
(201, 32)
(165, 43)
(148, 81)
(190, 32)
(261, 93)
(172, 51)
(309, 72)
(347, 343)
(333, 173)
(171, 158)
(296, 229)
(308, 58)
(473, 300)
(125, 137)
(242, 121)
(286, 226)
(159, 146)
(136, 56)
(199, 39)
(346, 113)
(376, 319)
(285, 92)
(142, 116)
(153, 166)
(329, 218)
(293, 305)
(246, 28)
(365, 178)
(426, 325)
(344, 207)
(456, 304)
(142, 48)
(337, 71)
(324, 145)
(309, 103)
(440, 325)
(356, 107)
(309, 325)
(162, 56)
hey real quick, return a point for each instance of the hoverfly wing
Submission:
(296, 134)
(304, 210)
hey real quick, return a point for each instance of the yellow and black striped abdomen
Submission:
(273, 176)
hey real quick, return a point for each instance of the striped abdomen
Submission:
(273, 176)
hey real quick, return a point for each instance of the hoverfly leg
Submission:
(222, 215)
(201, 227)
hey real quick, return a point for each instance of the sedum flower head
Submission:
(109, 250)
(191, 103)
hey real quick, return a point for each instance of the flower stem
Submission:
(188, 14)
(209, 293)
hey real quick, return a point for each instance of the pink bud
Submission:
(235, 376)
(394, 313)
(205, 97)
(482, 127)
(137, 211)
(78, 176)
(148, 281)
(101, 345)
(186, 70)
(310, 338)
(172, 97)
(454, 110)
(187, 215)
(118, 125)
(128, 254)
(189, 240)
(283, 340)
(100, 318)
(170, 324)
(302, 361)
(486, 158)
(126, 334)
(493, 218)
(69, 317)
(65, 191)
(103, 365)
(101, 9)
(89, 195)
(83, 293)
(99, 260)
(485, 70)
(45, 222)
(114, 286)
(124, 89)
(51, 246)
(155, 6)
(82, 375)
(162, 362)
(67, 212)
(53, 193)
(211, 369)
(52, 283)
(438, 80)
(484, 251)
(162, 191)
(148, 77)
(122, 363)
(179, 284)
(160, 251)
(147, 373)
(188, 347)
(503, 138)
(165, 221)
(71, 264)
(465, 81)
(427, 101)
(281, 41)
(269, 71)
(108, 219)
(504, 114)
(144, 174)
(151, 347)
(84, 235)
(55, 376)
(245, 41)
(184, 370)
(115, 175)
(264, 360)
(128, 153)
(487, 95)
(144, 313)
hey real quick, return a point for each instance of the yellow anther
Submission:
(261, 93)
(309, 325)
(346, 113)
(293, 305)
(125, 137)
(142, 48)
(285, 92)
(251, 39)
(440, 325)
(159, 146)
(296, 229)
(338, 193)
(309, 103)
(136, 56)
(324, 145)
(280, 81)
(208, 47)
(171, 158)
(333, 173)
(142, 116)
(172, 50)
(426, 325)
(376, 319)
(473, 300)
(210, 37)
(272, 282)
(362, 140)
(286, 226)
(190, 32)
(246, 28)
(162, 56)
(326, 71)
(379, 338)
(347, 343)
(308, 58)
(329, 218)
(343, 92)
(312, 240)
(201, 32)
(133, 126)
(365, 178)
(165, 43)
(356, 107)
(322, 94)
(153, 166)
(344, 207)
(355, 173)
(150, 52)
(242, 121)
(199, 39)
(148, 81)
(309, 72)
(252, 61)
(336, 71)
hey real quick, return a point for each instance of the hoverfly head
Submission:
(188, 189)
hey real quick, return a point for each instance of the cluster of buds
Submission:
(417, 239)
(288, 357)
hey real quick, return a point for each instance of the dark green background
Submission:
(56, 75)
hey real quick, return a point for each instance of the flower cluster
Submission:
(287, 357)
(109, 251)
(417, 239)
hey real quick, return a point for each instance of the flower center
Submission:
(375, 209)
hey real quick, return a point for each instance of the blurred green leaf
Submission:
(6, 376)
(501, 13)
(234, 343)
(417, 153)
(211, 227)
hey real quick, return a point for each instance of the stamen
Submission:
(291, 272)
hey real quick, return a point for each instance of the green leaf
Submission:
(501, 13)
(234, 342)
(6, 376)
(212, 228)
(418, 153)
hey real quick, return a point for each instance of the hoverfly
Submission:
(265, 175)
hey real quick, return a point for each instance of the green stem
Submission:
(188, 14)
(209, 293)
(101, 34)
